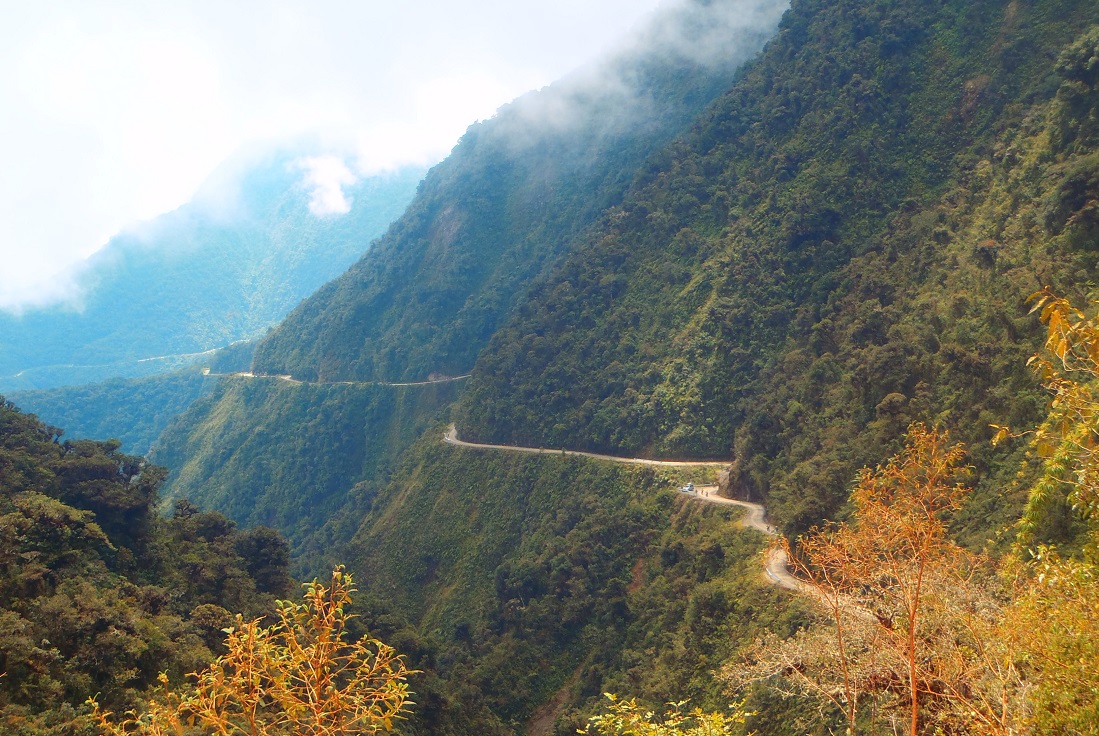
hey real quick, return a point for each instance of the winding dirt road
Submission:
(451, 438)
(775, 563)
(296, 381)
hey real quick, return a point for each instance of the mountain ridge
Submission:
(507, 201)
(217, 270)
(838, 247)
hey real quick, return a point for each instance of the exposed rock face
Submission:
(725, 482)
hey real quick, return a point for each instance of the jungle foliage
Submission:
(99, 594)
(510, 199)
(841, 245)
(545, 581)
(301, 676)
(306, 459)
(134, 411)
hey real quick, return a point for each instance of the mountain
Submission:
(134, 411)
(841, 245)
(220, 269)
(509, 201)
(485, 223)
(337, 444)
(836, 249)
(778, 265)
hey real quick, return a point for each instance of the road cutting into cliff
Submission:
(776, 564)
(451, 438)
(299, 382)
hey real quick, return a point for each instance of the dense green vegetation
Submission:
(98, 594)
(222, 268)
(550, 580)
(507, 202)
(336, 445)
(839, 245)
(426, 298)
(133, 411)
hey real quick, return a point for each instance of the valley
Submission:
(830, 255)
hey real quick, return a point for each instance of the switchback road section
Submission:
(775, 563)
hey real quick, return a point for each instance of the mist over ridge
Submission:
(618, 89)
(266, 230)
(511, 197)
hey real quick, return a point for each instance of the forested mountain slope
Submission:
(219, 269)
(426, 297)
(509, 200)
(133, 411)
(98, 594)
(840, 245)
(843, 244)
(304, 458)
(806, 295)
(549, 579)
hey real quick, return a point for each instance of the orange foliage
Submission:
(910, 627)
(297, 677)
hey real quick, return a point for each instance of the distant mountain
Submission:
(220, 269)
(133, 411)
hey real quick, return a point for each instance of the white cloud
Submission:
(325, 177)
(115, 111)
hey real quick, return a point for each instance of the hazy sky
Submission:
(113, 111)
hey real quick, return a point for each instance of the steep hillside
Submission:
(553, 579)
(336, 445)
(98, 595)
(509, 200)
(424, 300)
(843, 244)
(217, 270)
(133, 411)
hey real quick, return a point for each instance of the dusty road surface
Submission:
(451, 438)
(291, 379)
(775, 563)
(776, 566)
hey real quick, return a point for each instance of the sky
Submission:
(116, 111)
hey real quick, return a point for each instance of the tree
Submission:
(911, 629)
(1054, 622)
(629, 717)
(297, 677)
(1068, 441)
